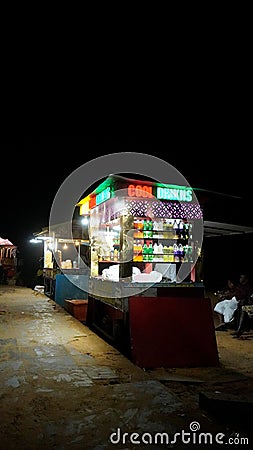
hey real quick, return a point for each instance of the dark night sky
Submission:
(34, 167)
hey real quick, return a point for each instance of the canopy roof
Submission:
(6, 242)
(214, 229)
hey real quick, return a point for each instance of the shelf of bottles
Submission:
(162, 240)
(158, 240)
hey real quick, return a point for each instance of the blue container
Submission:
(70, 287)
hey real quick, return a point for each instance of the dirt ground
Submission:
(199, 395)
(232, 383)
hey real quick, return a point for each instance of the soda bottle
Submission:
(145, 252)
(150, 252)
(175, 252)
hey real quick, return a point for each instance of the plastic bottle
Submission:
(150, 252)
(160, 251)
(145, 252)
(175, 228)
(145, 228)
(150, 228)
(180, 252)
(186, 231)
(181, 229)
(175, 252)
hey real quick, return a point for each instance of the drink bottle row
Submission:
(170, 228)
(162, 253)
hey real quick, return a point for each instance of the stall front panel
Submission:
(172, 332)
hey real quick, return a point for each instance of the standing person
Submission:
(228, 304)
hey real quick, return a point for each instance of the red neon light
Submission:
(139, 191)
(92, 202)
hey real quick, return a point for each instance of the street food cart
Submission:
(64, 273)
(145, 290)
(8, 261)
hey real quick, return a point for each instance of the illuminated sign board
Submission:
(183, 194)
(139, 191)
(84, 208)
(103, 196)
(174, 193)
(84, 205)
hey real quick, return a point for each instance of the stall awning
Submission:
(6, 242)
(214, 229)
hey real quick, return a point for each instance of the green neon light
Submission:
(183, 194)
(103, 195)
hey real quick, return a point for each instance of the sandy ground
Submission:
(232, 383)
(48, 411)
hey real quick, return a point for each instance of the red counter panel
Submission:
(172, 332)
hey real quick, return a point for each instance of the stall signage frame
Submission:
(182, 194)
(84, 208)
(103, 195)
(139, 190)
(169, 192)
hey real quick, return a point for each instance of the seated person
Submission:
(246, 288)
(243, 319)
(227, 305)
(236, 296)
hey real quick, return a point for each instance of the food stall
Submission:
(8, 261)
(145, 291)
(64, 272)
